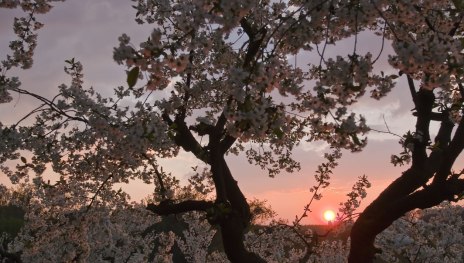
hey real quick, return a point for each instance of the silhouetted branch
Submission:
(412, 89)
(184, 138)
(167, 207)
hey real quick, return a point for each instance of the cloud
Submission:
(386, 119)
(319, 147)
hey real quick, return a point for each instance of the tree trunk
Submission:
(363, 234)
(232, 231)
(234, 225)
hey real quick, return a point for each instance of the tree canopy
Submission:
(216, 78)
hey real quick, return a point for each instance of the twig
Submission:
(98, 191)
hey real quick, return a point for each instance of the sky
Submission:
(88, 30)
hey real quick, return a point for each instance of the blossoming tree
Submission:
(216, 78)
(428, 42)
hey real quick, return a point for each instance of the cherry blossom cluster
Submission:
(25, 27)
(429, 235)
(22, 48)
(427, 41)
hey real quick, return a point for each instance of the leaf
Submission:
(23, 159)
(278, 132)
(132, 77)
(356, 139)
(70, 61)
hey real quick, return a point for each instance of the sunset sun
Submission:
(329, 215)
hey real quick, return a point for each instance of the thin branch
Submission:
(355, 31)
(461, 89)
(385, 122)
(98, 191)
(283, 20)
(427, 21)
(38, 109)
(456, 25)
(388, 129)
(385, 20)
(57, 127)
(50, 104)
(325, 44)
(381, 46)
(158, 175)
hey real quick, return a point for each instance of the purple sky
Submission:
(88, 30)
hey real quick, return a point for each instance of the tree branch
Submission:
(50, 104)
(158, 175)
(434, 116)
(451, 153)
(98, 192)
(226, 143)
(185, 139)
(256, 39)
(167, 207)
(424, 104)
(456, 25)
(461, 89)
(430, 196)
(412, 89)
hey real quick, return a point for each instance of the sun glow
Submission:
(329, 215)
